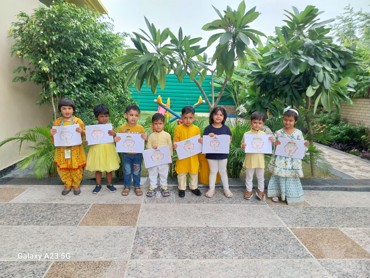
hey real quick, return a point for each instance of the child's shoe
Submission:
(210, 193)
(97, 189)
(275, 199)
(151, 192)
(228, 193)
(111, 188)
(138, 191)
(76, 191)
(260, 195)
(66, 190)
(181, 193)
(125, 191)
(164, 191)
(196, 192)
(248, 195)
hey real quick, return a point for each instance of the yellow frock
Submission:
(102, 158)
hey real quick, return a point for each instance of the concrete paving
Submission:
(45, 234)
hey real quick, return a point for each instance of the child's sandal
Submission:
(138, 191)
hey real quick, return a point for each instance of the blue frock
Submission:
(286, 173)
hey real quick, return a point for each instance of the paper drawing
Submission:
(155, 157)
(67, 136)
(98, 134)
(188, 147)
(216, 144)
(258, 143)
(291, 148)
(130, 143)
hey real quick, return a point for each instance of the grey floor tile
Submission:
(22, 269)
(201, 215)
(225, 268)
(42, 214)
(324, 216)
(66, 243)
(347, 268)
(361, 236)
(52, 194)
(337, 198)
(9, 193)
(216, 243)
(87, 269)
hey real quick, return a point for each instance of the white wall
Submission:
(18, 109)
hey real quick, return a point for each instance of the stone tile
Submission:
(63, 243)
(23, 269)
(87, 269)
(330, 243)
(361, 236)
(212, 215)
(337, 198)
(52, 194)
(111, 215)
(347, 268)
(324, 216)
(281, 203)
(9, 193)
(225, 268)
(42, 214)
(216, 243)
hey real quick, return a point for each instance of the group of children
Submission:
(284, 184)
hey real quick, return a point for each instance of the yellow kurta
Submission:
(159, 139)
(254, 160)
(78, 157)
(190, 164)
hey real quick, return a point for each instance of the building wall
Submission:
(19, 110)
(358, 113)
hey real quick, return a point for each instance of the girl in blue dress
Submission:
(286, 172)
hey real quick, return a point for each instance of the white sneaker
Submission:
(210, 193)
(228, 193)
(275, 199)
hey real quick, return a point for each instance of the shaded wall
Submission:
(358, 112)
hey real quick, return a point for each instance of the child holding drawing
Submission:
(217, 161)
(103, 157)
(286, 171)
(255, 162)
(188, 165)
(69, 160)
(158, 138)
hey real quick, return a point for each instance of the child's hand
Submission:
(272, 139)
(277, 142)
(211, 134)
(112, 133)
(117, 139)
(306, 143)
(243, 145)
(79, 130)
(144, 136)
(155, 147)
(53, 131)
(174, 146)
(86, 143)
(200, 140)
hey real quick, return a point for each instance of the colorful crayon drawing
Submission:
(157, 156)
(215, 143)
(97, 134)
(189, 146)
(290, 148)
(66, 136)
(129, 143)
(257, 143)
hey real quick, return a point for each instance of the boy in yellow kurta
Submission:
(188, 165)
(69, 160)
(255, 162)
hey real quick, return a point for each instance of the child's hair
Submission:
(132, 106)
(187, 110)
(100, 109)
(157, 117)
(258, 116)
(291, 113)
(214, 111)
(66, 102)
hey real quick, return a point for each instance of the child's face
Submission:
(103, 118)
(218, 117)
(158, 125)
(188, 119)
(67, 111)
(289, 122)
(257, 124)
(132, 117)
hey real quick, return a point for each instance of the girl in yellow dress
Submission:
(103, 157)
(69, 160)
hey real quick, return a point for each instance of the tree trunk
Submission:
(309, 128)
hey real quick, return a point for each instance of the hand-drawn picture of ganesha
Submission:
(97, 134)
(290, 148)
(215, 143)
(189, 146)
(257, 143)
(129, 143)
(66, 136)
(157, 156)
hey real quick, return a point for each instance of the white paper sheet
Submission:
(258, 143)
(216, 144)
(98, 134)
(130, 143)
(188, 147)
(155, 157)
(291, 148)
(67, 136)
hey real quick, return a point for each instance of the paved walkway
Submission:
(45, 234)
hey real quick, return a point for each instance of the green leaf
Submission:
(226, 37)
(310, 92)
